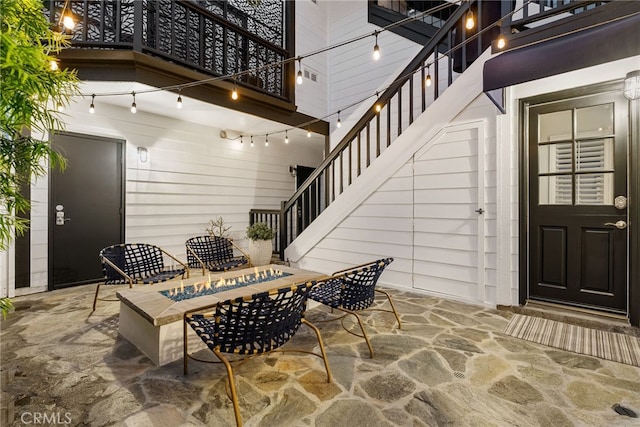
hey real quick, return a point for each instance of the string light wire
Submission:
(398, 80)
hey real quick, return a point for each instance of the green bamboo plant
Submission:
(31, 88)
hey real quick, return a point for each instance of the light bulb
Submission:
(286, 137)
(299, 76)
(60, 107)
(68, 22)
(234, 94)
(53, 65)
(378, 107)
(133, 104)
(376, 52)
(266, 141)
(92, 107)
(308, 134)
(428, 80)
(251, 140)
(470, 21)
(338, 123)
(179, 102)
(501, 42)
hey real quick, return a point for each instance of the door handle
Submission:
(620, 225)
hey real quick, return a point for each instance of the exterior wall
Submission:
(346, 74)
(354, 74)
(191, 176)
(421, 213)
(312, 35)
(418, 204)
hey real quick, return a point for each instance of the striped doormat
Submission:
(605, 345)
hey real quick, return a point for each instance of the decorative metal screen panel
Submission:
(216, 37)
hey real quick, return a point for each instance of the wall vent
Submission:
(310, 74)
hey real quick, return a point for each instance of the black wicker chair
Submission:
(353, 290)
(214, 253)
(251, 325)
(136, 263)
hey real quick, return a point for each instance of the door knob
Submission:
(620, 225)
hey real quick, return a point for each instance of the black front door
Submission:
(85, 207)
(578, 202)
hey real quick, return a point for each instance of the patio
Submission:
(449, 365)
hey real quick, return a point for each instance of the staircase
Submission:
(408, 116)
(393, 113)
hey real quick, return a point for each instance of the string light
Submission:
(470, 22)
(53, 65)
(299, 77)
(266, 140)
(377, 106)
(501, 42)
(376, 49)
(179, 100)
(134, 108)
(60, 107)
(241, 140)
(234, 93)
(68, 21)
(428, 79)
(286, 137)
(92, 107)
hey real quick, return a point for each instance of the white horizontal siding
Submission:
(429, 206)
(312, 35)
(441, 269)
(191, 176)
(354, 74)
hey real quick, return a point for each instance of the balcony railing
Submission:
(215, 37)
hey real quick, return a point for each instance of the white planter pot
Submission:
(260, 252)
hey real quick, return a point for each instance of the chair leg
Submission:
(232, 385)
(364, 333)
(185, 344)
(324, 355)
(393, 307)
(95, 298)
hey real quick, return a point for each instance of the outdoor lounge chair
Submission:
(249, 326)
(136, 263)
(214, 253)
(353, 290)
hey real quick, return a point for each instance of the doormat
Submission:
(592, 342)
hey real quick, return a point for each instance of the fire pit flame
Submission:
(208, 287)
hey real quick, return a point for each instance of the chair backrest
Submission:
(209, 249)
(138, 260)
(359, 283)
(255, 324)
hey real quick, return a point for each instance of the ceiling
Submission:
(152, 100)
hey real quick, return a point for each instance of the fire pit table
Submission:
(151, 316)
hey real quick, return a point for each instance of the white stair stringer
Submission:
(423, 131)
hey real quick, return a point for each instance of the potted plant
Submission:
(260, 247)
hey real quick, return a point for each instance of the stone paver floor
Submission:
(449, 365)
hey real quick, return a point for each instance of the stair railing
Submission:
(376, 130)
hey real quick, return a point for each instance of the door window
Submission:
(575, 156)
